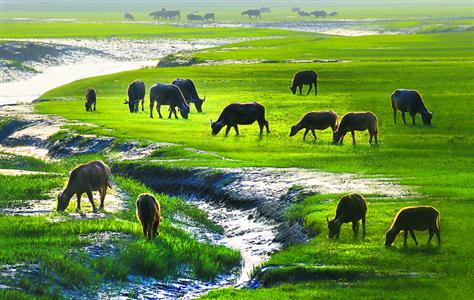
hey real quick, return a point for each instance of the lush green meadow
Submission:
(53, 242)
(434, 161)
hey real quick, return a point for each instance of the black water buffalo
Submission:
(240, 114)
(319, 120)
(168, 94)
(305, 77)
(332, 14)
(87, 178)
(356, 121)
(91, 98)
(128, 16)
(418, 218)
(149, 215)
(304, 14)
(190, 94)
(410, 101)
(351, 208)
(252, 13)
(136, 92)
(295, 9)
(209, 16)
(319, 14)
(194, 17)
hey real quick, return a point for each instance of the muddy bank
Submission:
(270, 191)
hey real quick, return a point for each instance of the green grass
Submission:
(48, 240)
(435, 161)
(103, 30)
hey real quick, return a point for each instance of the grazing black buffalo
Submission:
(410, 101)
(319, 14)
(136, 92)
(304, 14)
(240, 114)
(252, 13)
(305, 77)
(190, 94)
(295, 9)
(91, 98)
(356, 121)
(209, 16)
(194, 17)
(332, 14)
(319, 120)
(351, 208)
(128, 16)
(168, 94)
(149, 215)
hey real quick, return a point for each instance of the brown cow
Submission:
(149, 215)
(87, 178)
(419, 218)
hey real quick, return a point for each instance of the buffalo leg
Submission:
(174, 112)
(103, 193)
(375, 137)
(371, 136)
(314, 134)
(413, 115)
(236, 129)
(353, 138)
(355, 227)
(403, 118)
(310, 88)
(363, 226)
(145, 233)
(94, 106)
(91, 200)
(300, 87)
(266, 126)
(155, 229)
(78, 207)
(438, 235)
(412, 233)
(305, 133)
(143, 104)
(171, 111)
(315, 87)
(227, 129)
(431, 231)
(158, 110)
(152, 103)
(405, 236)
(395, 116)
(260, 124)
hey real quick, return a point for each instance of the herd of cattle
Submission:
(182, 92)
(95, 176)
(167, 15)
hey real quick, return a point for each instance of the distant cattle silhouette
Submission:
(128, 16)
(304, 14)
(252, 13)
(319, 14)
(295, 9)
(209, 16)
(194, 17)
(332, 14)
